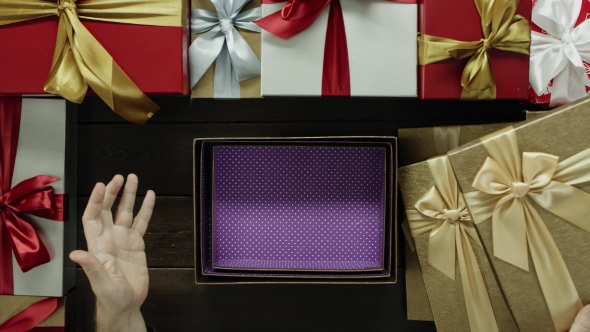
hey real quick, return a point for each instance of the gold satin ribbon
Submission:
(444, 214)
(80, 60)
(446, 138)
(507, 185)
(502, 30)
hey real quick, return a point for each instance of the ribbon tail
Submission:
(226, 83)
(568, 202)
(446, 138)
(336, 69)
(6, 277)
(441, 248)
(109, 81)
(556, 283)
(243, 59)
(202, 52)
(29, 318)
(27, 247)
(477, 301)
(65, 78)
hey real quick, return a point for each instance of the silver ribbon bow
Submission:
(236, 61)
(560, 53)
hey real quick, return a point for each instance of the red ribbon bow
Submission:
(31, 196)
(298, 15)
(28, 319)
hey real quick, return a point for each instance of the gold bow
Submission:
(502, 29)
(506, 189)
(444, 214)
(80, 60)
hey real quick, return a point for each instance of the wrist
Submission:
(131, 321)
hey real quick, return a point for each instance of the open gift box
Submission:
(295, 209)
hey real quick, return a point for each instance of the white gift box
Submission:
(47, 146)
(381, 40)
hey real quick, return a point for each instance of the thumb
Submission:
(582, 321)
(97, 275)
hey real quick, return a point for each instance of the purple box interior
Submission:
(303, 208)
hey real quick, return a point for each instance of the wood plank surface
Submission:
(182, 110)
(175, 303)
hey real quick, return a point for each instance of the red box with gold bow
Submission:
(37, 314)
(470, 53)
(37, 196)
(120, 49)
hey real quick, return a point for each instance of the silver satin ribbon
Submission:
(559, 54)
(236, 61)
(446, 138)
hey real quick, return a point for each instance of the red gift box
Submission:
(460, 20)
(545, 99)
(154, 57)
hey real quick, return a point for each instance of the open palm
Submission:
(115, 262)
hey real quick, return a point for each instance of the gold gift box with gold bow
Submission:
(461, 288)
(527, 188)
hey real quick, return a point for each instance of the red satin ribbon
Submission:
(27, 319)
(298, 15)
(32, 196)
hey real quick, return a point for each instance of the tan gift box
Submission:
(249, 88)
(527, 190)
(417, 145)
(453, 308)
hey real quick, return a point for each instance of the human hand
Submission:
(115, 262)
(582, 321)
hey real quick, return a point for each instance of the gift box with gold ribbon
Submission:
(474, 49)
(37, 314)
(37, 196)
(528, 191)
(120, 49)
(224, 56)
(462, 291)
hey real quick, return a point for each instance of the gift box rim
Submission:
(391, 278)
(388, 270)
(382, 265)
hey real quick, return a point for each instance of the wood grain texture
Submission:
(175, 303)
(182, 110)
(169, 240)
(161, 155)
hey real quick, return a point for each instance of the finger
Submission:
(91, 217)
(97, 275)
(140, 224)
(124, 215)
(110, 196)
(582, 321)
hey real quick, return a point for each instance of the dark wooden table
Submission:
(160, 153)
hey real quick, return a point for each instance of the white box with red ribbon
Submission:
(339, 48)
(37, 196)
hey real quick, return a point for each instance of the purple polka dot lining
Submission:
(300, 208)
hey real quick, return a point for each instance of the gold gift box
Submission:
(249, 88)
(417, 145)
(445, 296)
(562, 133)
(62, 317)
